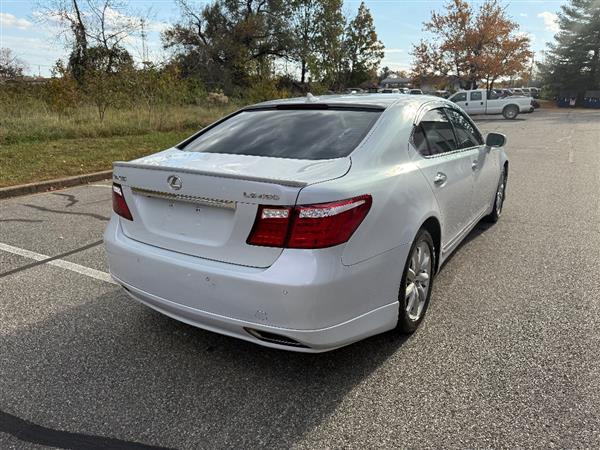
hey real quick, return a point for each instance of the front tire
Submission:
(510, 112)
(416, 284)
(494, 216)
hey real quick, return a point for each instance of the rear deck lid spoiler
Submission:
(279, 171)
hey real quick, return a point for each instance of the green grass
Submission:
(44, 160)
(38, 145)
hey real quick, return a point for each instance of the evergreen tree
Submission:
(573, 60)
(365, 50)
(329, 63)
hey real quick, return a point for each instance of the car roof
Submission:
(379, 101)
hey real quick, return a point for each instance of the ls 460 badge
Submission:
(254, 195)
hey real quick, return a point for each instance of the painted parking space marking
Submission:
(56, 261)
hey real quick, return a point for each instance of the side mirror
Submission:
(495, 140)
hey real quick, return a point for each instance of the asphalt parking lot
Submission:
(508, 355)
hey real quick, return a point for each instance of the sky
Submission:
(398, 24)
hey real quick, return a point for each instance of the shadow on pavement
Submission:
(115, 369)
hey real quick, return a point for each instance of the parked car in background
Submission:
(355, 91)
(477, 102)
(305, 224)
(415, 92)
(391, 91)
(516, 91)
(535, 92)
(439, 93)
(526, 92)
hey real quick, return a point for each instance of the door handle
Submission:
(440, 178)
(474, 165)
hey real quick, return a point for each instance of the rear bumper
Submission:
(526, 109)
(307, 296)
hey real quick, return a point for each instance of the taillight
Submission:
(119, 203)
(309, 226)
(271, 226)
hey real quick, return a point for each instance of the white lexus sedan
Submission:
(305, 224)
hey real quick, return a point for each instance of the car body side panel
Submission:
(402, 201)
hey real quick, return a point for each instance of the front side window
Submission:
(288, 133)
(466, 133)
(493, 95)
(438, 133)
(461, 97)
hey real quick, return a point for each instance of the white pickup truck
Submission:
(478, 102)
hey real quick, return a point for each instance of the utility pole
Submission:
(144, 46)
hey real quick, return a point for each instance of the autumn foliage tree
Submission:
(471, 45)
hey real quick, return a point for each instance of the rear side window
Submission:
(419, 141)
(288, 133)
(475, 96)
(438, 132)
(466, 133)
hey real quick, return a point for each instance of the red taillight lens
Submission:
(310, 226)
(119, 203)
(327, 224)
(271, 226)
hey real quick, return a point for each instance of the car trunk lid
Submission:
(205, 204)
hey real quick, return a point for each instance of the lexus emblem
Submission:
(174, 182)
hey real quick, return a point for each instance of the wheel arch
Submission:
(434, 228)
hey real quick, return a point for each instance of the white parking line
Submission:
(92, 273)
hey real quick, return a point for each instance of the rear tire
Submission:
(416, 283)
(510, 112)
(494, 216)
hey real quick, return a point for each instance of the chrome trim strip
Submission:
(227, 204)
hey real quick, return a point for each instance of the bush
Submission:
(217, 98)
(263, 90)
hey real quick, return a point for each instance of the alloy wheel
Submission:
(500, 195)
(418, 280)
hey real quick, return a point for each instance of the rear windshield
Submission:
(288, 133)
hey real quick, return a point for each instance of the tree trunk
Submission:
(303, 74)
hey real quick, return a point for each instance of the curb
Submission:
(51, 185)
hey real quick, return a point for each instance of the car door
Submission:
(461, 100)
(476, 103)
(494, 103)
(484, 164)
(447, 170)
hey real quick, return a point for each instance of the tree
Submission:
(78, 56)
(330, 61)
(384, 73)
(473, 46)
(237, 39)
(10, 65)
(304, 33)
(365, 50)
(102, 24)
(573, 60)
